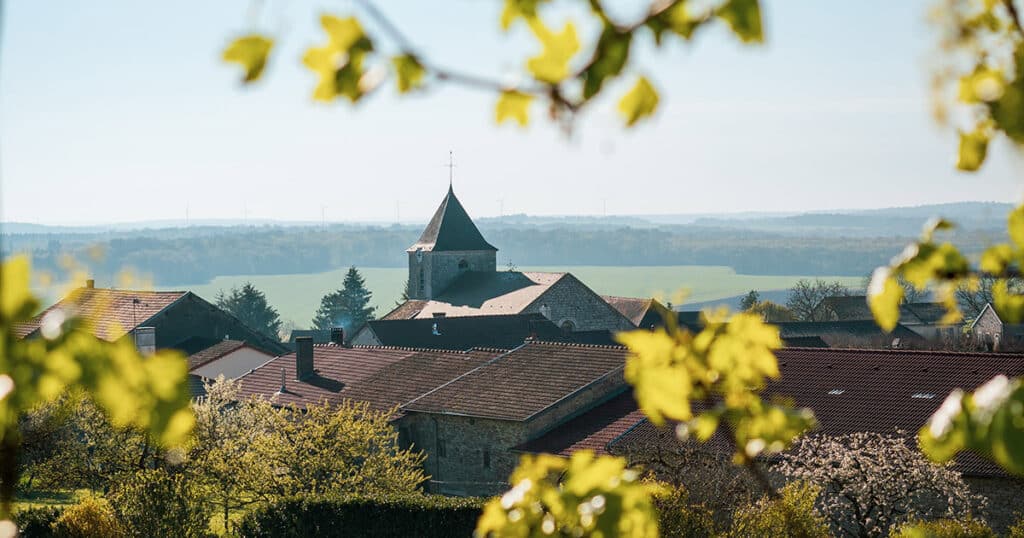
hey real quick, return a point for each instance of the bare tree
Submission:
(805, 296)
(973, 299)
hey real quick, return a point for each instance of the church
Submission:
(453, 273)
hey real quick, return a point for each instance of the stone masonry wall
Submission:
(440, 269)
(571, 300)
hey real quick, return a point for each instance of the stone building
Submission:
(453, 273)
(992, 333)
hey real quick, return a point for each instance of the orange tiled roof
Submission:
(112, 313)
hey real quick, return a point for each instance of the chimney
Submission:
(338, 336)
(90, 283)
(303, 357)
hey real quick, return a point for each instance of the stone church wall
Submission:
(440, 269)
(571, 300)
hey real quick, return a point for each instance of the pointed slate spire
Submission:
(451, 229)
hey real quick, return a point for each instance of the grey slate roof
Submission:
(464, 333)
(451, 229)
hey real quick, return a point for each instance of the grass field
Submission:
(297, 296)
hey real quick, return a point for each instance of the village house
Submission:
(992, 333)
(923, 318)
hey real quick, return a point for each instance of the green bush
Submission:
(158, 504)
(1017, 530)
(91, 517)
(792, 515)
(678, 517)
(946, 528)
(422, 516)
(36, 522)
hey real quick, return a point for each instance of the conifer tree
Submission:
(250, 306)
(347, 307)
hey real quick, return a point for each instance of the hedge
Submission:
(424, 516)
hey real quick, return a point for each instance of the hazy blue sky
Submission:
(121, 111)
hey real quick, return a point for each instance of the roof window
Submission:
(922, 395)
(836, 392)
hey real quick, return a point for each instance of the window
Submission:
(922, 395)
(568, 326)
(836, 392)
(487, 459)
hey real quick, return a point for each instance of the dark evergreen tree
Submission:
(250, 306)
(405, 294)
(750, 300)
(348, 307)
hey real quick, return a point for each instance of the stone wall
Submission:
(569, 300)
(440, 269)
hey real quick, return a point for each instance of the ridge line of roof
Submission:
(464, 374)
(1018, 354)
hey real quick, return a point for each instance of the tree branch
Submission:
(1011, 8)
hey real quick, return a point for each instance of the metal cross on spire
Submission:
(451, 167)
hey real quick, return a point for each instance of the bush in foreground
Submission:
(423, 516)
(93, 516)
(946, 528)
(792, 515)
(36, 522)
(158, 504)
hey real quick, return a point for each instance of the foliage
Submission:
(582, 495)
(792, 515)
(347, 307)
(872, 482)
(250, 306)
(750, 300)
(724, 366)
(363, 517)
(990, 421)
(945, 528)
(148, 393)
(772, 312)
(1017, 530)
(805, 296)
(677, 516)
(37, 522)
(982, 75)
(160, 504)
(972, 297)
(93, 516)
(350, 63)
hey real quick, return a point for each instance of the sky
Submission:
(121, 111)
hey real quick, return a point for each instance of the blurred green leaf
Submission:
(744, 17)
(251, 53)
(552, 64)
(610, 57)
(639, 102)
(973, 146)
(884, 297)
(409, 72)
(513, 106)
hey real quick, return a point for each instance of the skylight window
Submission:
(836, 392)
(922, 395)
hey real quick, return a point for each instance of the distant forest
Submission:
(195, 255)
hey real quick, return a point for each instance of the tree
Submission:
(792, 515)
(972, 296)
(872, 482)
(805, 296)
(405, 294)
(772, 312)
(749, 300)
(250, 306)
(162, 504)
(347, 307)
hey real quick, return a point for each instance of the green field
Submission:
(297, 296)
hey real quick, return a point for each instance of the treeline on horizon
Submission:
(194, 256)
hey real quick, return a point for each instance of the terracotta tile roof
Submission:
(463, 333)
(489, 293)
(407, 379)
(213, 353)
(592, 430)
(451, 229)
(339, 370)
(113, 313)
(524, 381)
(406, 310)
(852, 390)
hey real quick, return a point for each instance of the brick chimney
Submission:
(338, 336)
(90, 283)
(303, 357)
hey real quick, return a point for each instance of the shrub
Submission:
(678, 517)
(158, 504)
(36, 522)
(946, 528)
(1017, 530)
(423, 516)
(792, 515)
(91, 517)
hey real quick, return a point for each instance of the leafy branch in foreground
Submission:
(149, 393)
(350, 63)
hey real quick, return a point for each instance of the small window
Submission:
(463, 265)
(922, 396)
(568, 326)
(487, 459)
(836, 392)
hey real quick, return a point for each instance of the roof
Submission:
(592, 430)
(349, 372)
(846, 307)
(645, 313)
(500, 331)
(406, 310)
(479, 293)
(854, 390)
(926, 313)
(804, 341)
(691, 319)
(319, 336)
(523, 382)
(214, 352)
(113, 313)
(866, 330)
(451, 229)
